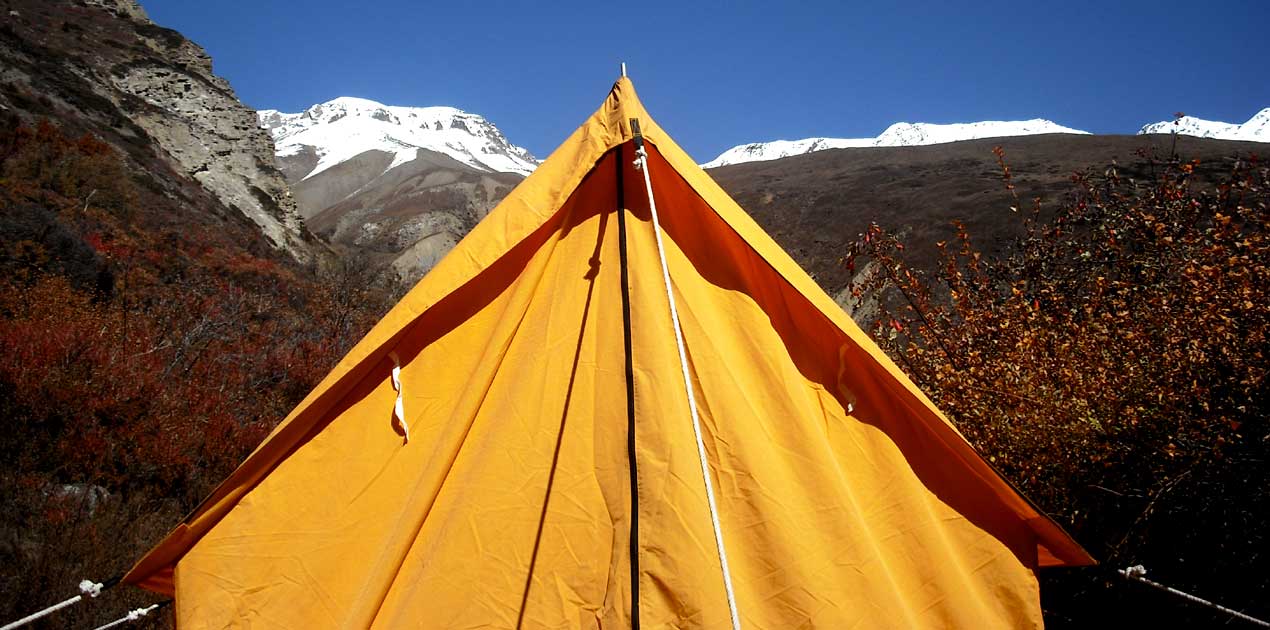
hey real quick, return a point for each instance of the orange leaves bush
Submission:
(1113, 364)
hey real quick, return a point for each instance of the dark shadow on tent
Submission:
(461, 304)
(434, 323)
(592, 273)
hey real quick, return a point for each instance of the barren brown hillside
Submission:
(814, 204)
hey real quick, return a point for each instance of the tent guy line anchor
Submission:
(641, 164)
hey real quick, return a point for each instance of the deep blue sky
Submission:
(720, 74)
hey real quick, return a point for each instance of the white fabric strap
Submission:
(641, 163)
(132, 615)
(398, 409)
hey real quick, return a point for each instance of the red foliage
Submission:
(151, 384)
(1113, 364)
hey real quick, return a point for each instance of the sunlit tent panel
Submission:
(845, 498)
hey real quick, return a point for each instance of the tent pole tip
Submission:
(623, 69)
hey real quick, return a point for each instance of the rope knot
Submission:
(134, 615)
(641, 158)
(90, 588)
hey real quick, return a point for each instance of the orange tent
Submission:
(551, 476)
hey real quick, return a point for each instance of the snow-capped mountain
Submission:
(398, 185)
(912, 134)
(343, 128)
(776, 149)
(1257, 129)
(898, 135)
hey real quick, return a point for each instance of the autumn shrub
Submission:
(146, 347)
(1112, 364)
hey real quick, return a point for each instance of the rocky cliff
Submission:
(104, 67)
(394, 185)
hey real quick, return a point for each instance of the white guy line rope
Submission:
(86, 587)
(132, 615)
(641, 163)
(1138, 572)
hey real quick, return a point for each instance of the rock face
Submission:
(409, 215)
(105, 61)
(397, 185)
(195, 116)
(120, 8)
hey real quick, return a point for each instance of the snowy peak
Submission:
(913, 134)
(1257, 129)
(761, 151)
(345, 127)
(898, 135)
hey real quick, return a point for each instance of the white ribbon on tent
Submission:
(398, 409)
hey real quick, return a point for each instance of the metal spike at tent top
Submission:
(623, 69)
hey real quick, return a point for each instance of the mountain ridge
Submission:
(391, 184)
(345, 127)
(1256, 129)
(152, 94)
(900, 134)
(816, 204)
